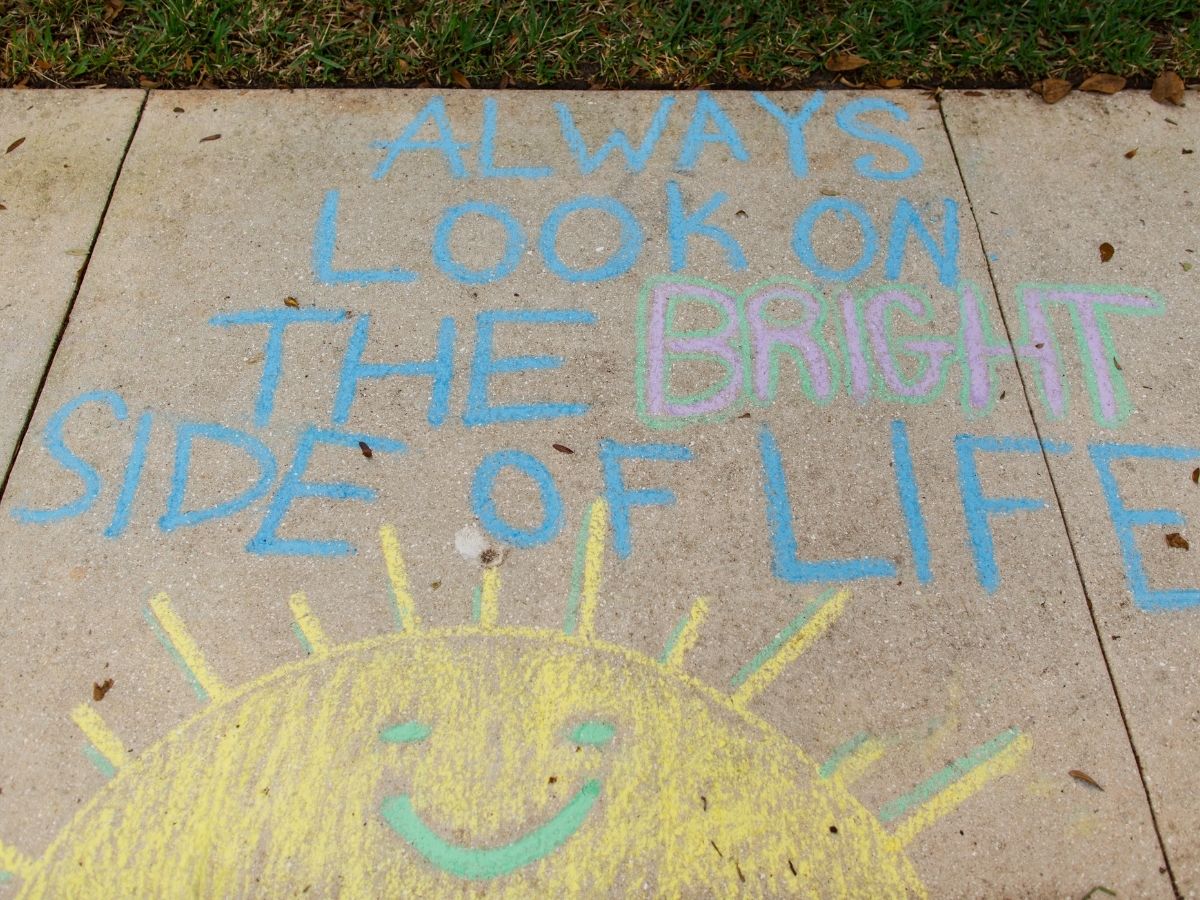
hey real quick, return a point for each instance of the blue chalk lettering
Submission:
(708, 110)
(635, 160)
(480, 411)
(848, 121)
(56, 446)
(906, 219)
(277, 321)
(292, 488)
(619, 498)
(786, 563)
(1125, 520)
(514, 243)
(487, 151)
(618, 264)
(186, 434)
(324, 242)
(434, 111)
(133, 477)
(979, 508)
(354, 370)
(910, 502)
(794, 123)
(484, 504)
(681, 226)
(802, 237)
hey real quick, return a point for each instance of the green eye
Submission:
(593, 733)
(404, 733)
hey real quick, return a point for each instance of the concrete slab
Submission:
(617, 396)
(1050, 186)
(59, 153)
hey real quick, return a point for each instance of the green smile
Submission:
(491, 862)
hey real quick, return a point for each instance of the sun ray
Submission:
(787, 646)
(402, 599)
(685, 635)
(308, 626)
(109, 751)
(487, 598)
(585, 580)
(174, 635)
(13, 862)
(942, 793)
(850, 760)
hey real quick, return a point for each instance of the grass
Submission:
(602, 43)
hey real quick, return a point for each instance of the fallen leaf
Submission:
(1117, 363)
(972, 93)
(2, 206)
(891, 83)
(292, 302)
(1106, 252)
(15, 144)
(845, 62)
(1168, 88)
(211, 137)
(366, 449)
(562, 448)
(112, 9)
(460, 79)
(179, 109)
(1187, 266)
(741, 214)
(1195, 476)
(147, 84)
(744, 415)
(1187, 151)
(101, 688)
(434, 585)
(1103, 84)
(1177, 541)
(1130, 154)
(1054, 89)
(1085, 778)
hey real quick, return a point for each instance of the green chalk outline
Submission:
(841, 754)
(201, 693)
(767, 652)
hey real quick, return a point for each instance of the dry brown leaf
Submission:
(15, 144)
(562, 448)
(292, 302)
(1195, 476)
(1130, 154)
(179, 109)
(1054, 89)
(845, 62)
(1103, 84)
(972, 93)
(99, 689)
(891, 83)
(211, 137)
(366, 449)
(112, 9)
(3, 207)
(1177, 541)
(1085, 778)
(1168, 88)
(1106, 252)
(460, 79)
(146, 84)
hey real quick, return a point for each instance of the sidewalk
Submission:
(540, 494)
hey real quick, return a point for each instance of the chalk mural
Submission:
(431, 761)
(531, 761)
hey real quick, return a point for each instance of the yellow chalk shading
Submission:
(489, 598)
(14, 861)
(406, 607)
(942, 804)
(585, 582)
(189, 653)
(686, 633)
(96, 730)
(787, 646)
(308, 623)
(858, 763)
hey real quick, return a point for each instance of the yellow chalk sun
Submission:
(483, 760)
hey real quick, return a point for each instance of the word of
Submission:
(786, 320)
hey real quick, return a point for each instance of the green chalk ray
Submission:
(6, 877)
(592, 733)
(765, 654)
(939, 781)
(571, 621)
(299, 632)
(674, 638)
(841, 754)
(99, 760)
(405, 733)
(479, 864)
(152, 620)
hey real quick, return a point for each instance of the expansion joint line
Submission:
(1162, 846)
